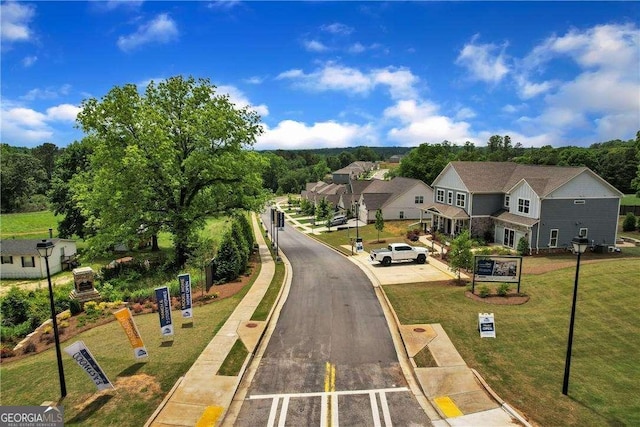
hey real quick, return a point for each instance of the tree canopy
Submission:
(165, 160)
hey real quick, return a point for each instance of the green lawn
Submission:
(630, 200)
(525, 363)
(31, 225)
(140, 386)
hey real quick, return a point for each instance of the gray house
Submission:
(504, 201)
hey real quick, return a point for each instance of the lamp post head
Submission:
(580, 244)
(45, 248)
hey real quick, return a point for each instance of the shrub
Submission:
(29, 348)
(413, 234)
(47, 329)
(64, 315)
(523, 246)
(629, 223)
(6, 352)
(483, 291)
(137, 308)
(503, 289)
(483, 251)
(91, 308)
(75, 307)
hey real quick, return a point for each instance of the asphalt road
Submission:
(331, 358)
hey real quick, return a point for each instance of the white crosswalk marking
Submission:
(332, 396)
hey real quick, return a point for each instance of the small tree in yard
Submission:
(629, 223)
(460, 255)
(379, 222)
(523, 246)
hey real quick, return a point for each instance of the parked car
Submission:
(338, 220)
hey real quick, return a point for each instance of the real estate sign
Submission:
(185, 296)
(498, 269)
(129, 325)
(164, 310)
(83, 357)
(486, 325)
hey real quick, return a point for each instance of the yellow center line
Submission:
(329, 386)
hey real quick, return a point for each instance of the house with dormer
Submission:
(505, 201)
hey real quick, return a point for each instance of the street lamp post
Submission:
(579, 246)
(357, 220)
(45, 249)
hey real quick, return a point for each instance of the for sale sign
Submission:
(83, 357)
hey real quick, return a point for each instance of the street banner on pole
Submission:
(129, 325)
(185, 295)
(83, 357)
(164, 310)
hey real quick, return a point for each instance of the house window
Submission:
(506, 200)
(401, 214)
(553, 238)
(523, 205)
(440, 196)
(450, 198)
(419, 200)
(583, 232)
(7, 259)
(509, 237)
(579, 202)
(28, 261)
(461, 198)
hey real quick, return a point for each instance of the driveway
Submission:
(405, 272)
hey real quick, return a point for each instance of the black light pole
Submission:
(45, 249)
(357, 220)
(579, 246)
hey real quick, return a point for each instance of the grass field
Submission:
(525, 363)
(31, 225)
(630, 200)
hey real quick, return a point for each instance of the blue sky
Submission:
(338, 74)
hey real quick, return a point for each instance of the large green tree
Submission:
(165, 159)
(21, 175)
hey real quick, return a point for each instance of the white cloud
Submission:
(465, 113)
(337, 28)
(481, 61)
(332, 76)
(239, 98)
(46, 93)
(162, 29)
(290, 134)
(357, 48)
(254, 80)
(14, 21)
(63, 112)
(314, 46)
(28, 61)
(21, 125)
(110, 5)
(602, 96)
(223, 5)
(420, 122)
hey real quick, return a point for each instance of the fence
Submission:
(626, 209)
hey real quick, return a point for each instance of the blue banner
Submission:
(164, 310)
(185, 295)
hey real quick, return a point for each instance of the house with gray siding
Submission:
(20, 258)
(505, 201)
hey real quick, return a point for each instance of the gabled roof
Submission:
(358, 187)
(504, 215)
(375, 201)
(397, 185)
(24, 246)
(447, 211)
(501, 177)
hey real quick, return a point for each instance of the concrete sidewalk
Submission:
(202, 397)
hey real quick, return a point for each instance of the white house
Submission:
(20, 258)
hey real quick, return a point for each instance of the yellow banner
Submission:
(126, 321)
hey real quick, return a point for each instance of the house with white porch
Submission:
(505, 201)
(19, 258)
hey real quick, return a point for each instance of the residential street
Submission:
(331, 358)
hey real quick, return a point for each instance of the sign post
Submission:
(131, 330)
(506, 269)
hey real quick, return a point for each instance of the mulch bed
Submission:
(509, 299)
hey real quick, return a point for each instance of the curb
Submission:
(511, 411)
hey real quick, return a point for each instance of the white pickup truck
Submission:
(396, 252)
